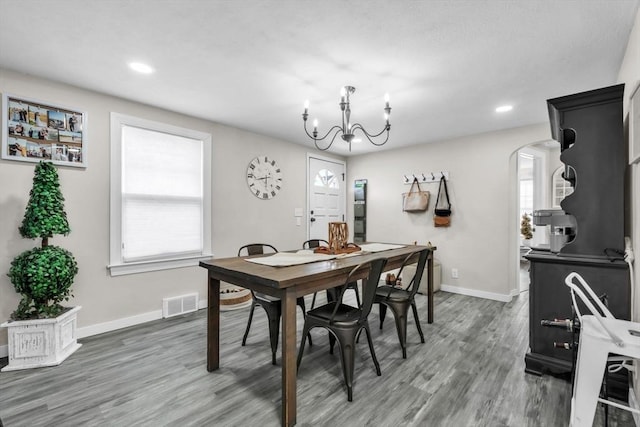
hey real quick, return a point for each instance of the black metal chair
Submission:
(314, 243)
(345, 322)
(271, 305)
(399, 299)
(331, 294)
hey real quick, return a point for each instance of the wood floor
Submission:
(470, 372)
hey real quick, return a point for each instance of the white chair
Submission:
(601, 334)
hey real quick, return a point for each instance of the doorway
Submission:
(532, 195)
(326, 195)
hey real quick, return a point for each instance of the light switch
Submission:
(297, 212)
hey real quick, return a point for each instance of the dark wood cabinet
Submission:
(589, 128)
(549, 299)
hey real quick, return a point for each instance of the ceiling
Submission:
(251, 64)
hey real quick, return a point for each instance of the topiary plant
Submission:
(525, 227)
(44, 275)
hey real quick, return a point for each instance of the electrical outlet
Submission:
(454, 273)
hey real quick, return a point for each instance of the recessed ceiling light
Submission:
(504, 108)
(141, 68)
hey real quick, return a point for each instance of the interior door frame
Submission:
(541, 183)
(343, 162)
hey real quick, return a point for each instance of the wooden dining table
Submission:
(289, 283)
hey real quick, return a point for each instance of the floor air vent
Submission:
(179, 305)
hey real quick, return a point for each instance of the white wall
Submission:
(478, 243)
(630, 75)
(238, 216)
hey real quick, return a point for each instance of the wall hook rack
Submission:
(424, 178)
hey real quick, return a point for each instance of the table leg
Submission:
(289, 358)
(430, 287)
(213, 325)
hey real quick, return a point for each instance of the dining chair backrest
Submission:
(369, 289)
(370, 285)
(314, 243)
(256, 249)
(414, 283)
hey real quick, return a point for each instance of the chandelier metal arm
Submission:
(315, 138)
(370, 136)
(347, 130)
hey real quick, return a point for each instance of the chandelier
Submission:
(347, 129)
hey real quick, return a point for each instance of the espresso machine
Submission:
(562, 227)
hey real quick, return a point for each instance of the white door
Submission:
(326, 190)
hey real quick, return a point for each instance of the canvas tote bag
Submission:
(415, 201)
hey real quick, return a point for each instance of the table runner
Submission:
(285, 259)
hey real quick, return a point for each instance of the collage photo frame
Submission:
(33, 131)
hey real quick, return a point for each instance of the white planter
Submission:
(41, 342)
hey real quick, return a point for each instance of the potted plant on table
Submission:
(41, 331)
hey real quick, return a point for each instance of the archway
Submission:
(531, 168)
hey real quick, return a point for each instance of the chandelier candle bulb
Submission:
(386, 100)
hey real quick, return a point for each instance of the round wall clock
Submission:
(264, 177)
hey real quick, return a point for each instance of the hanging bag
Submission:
(415, 201)
(442, 215)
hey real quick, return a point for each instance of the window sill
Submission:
(147, 266)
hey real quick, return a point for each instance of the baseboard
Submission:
(475, 293)
(633, 403)
(113, 325)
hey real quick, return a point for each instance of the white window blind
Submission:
(162, 195)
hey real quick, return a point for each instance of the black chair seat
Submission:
(345, 315)
(392, 293)
(265, 297)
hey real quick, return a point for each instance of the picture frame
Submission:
(34, 130)
(634, 125)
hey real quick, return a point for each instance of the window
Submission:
(526, 174)
(160, 196)
(326, 178)
(561, 187)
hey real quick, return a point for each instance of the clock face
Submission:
(264, 177)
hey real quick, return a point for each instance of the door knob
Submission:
(312, 219)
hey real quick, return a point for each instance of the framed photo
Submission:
(33, 131)
(634, 126)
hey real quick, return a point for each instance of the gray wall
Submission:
(238, 216)
(481, 185)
